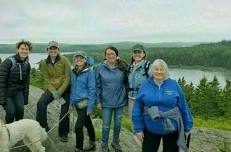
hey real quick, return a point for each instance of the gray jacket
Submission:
(173, 114)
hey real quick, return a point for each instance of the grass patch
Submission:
(216, 123)
(98, 134)
(126, 123)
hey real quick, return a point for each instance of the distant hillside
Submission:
(207, 54)
(41, 47)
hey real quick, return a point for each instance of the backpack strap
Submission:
(146, 67)
(13, 61)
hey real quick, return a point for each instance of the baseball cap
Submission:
(138, 47)
(53, 44)
(81, 53)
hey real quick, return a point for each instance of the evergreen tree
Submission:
(199, 102)
(225, 103)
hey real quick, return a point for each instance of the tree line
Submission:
(204, 55)
(208, 99)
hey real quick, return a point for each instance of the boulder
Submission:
(202, 140)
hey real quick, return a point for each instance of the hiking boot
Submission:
(116, 146)
(90, 147)
(78, 150)
(105, 148)
(63, 138)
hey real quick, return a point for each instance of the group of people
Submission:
(157, 106)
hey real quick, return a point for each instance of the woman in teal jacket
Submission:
(161, 111)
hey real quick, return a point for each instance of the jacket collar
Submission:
(85, 69)
(158, 84)
(18, 59)
(107, 66)
(48, 60)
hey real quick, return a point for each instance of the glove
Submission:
(56, 95)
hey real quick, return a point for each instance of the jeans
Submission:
(107, 115)
(83, 120)
(14, 107)
(41, 115)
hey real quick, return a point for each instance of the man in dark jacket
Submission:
(14, 82)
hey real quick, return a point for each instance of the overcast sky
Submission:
(103, 21)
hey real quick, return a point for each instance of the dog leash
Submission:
(54, 126)
(24, 145)
(28, 109)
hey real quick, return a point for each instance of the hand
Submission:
(71, 109)
(99, 106)
(187, 134)
(140, 136)
(56, 95)
(89, 113)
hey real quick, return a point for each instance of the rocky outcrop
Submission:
(202, 140)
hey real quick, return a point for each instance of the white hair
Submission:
(158, 63)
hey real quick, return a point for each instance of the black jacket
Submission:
(14, 78)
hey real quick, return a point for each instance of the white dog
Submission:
(27, 130)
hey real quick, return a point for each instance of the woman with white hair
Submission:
(161, 111)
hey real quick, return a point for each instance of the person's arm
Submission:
(137, 112)
(91, 91)
(185, 111)
(73, 82)
(67, 76)
(26, 85)
(46, 77)
(4, 73)
(98, 85)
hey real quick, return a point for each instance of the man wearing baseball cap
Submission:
(56, 72)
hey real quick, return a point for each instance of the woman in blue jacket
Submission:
(161, 111)
(111, 81)
(83, 96)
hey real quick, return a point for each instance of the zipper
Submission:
(159, 93)
(20, 71)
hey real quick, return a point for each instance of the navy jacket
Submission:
(14, 79)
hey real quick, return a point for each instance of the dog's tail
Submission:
(1, 124)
